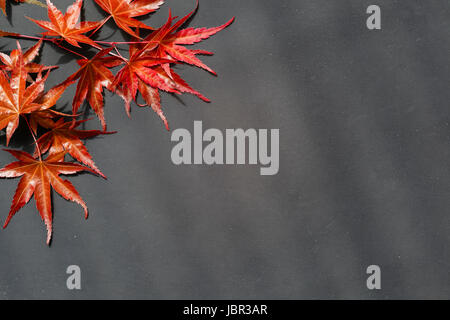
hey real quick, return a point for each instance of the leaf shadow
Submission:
(20, 140)
(67, 57)
(178, 98)
(9, 5)
(188, 22)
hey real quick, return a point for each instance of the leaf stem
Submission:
(56, 42)
(34, 137)
(101, 25)
(111, 43)
(118, 53)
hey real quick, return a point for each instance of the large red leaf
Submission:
(38, 176)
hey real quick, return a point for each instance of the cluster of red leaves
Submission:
(147, 70)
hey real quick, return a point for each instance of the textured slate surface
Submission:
(364, 173)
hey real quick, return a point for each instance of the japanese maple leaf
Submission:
(124, 11)
(147, 75)
(175, 84)
(10, 62)
(138, 67)
(67, 26)
(45, 118)
(63, 137)
(93, 76)
(17, 99)
(167, 42)
(38, 176)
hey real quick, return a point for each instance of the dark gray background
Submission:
(364, 176)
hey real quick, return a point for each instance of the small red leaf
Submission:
(124, 11)
(93, 76)
(67, 26)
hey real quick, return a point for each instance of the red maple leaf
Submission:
(63, 137)
(38, 176)
(167, 42)
(148, 81)
(144, 73)
(10, 62)
(175, 84)
(164, 43)
(124, 11)
(93, 76)
(44, 119)
(138, 68)
(17, 99)
(67, 26)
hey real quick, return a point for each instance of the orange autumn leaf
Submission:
(38, 177)
(44, 119)
(168, 42)
(175, 84)
(64, 137)
(136, 75)
(17, 99)
(124, 11)
(67, 26)
(10, 61)
(94, 75)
